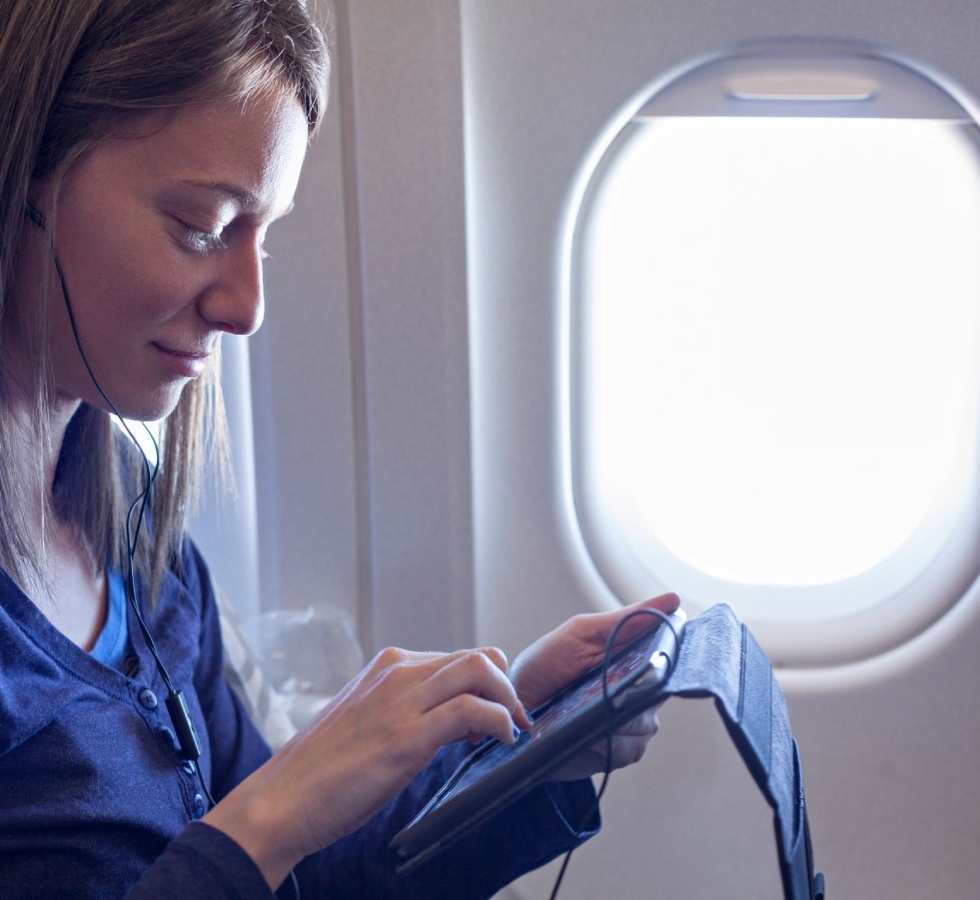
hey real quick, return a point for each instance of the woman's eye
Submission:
(205, 241)
(200, 241)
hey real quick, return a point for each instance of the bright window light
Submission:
(781, 334)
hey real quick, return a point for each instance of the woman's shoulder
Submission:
(184, 620)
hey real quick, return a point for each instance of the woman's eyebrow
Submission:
(242, 197)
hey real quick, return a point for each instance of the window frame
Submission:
(900, 614)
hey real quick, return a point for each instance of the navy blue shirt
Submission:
(95, 801)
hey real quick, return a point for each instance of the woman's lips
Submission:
(188, 365)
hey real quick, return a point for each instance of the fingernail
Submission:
(521, 712)
(516, 732)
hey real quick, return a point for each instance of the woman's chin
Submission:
(143, 407)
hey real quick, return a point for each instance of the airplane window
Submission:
(775, 348)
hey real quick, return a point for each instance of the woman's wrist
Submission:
(251, 822)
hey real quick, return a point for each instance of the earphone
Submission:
(190, 745)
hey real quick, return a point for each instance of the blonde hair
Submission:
(74, 73)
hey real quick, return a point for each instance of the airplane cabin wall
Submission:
(360, 373)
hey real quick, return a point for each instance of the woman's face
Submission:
(160, 240)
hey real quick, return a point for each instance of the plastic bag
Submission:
(306, 656)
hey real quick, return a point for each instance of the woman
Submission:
(148, 146)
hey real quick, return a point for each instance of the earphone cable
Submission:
(610, 711)
(179, 714)
(190, 747)
(132, 535)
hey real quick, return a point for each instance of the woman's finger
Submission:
(471, 673)
(598, 627)
(629, 743)
(646, 724)
(494, 654)
(410, 666)
(469, 716)
(577, 645)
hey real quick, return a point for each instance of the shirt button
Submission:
(198, 803)
(167, 736)
(148, 699)
(188, 766)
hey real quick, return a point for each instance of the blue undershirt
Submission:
(112, 645)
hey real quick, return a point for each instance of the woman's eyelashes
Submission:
(202, 241)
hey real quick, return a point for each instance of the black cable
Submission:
(180, 716)
(190, 747)
(610, 712)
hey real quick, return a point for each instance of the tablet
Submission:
(496, 774)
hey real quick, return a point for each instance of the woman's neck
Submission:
(36, 444)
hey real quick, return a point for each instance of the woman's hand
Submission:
(571, 649)
(365, 747)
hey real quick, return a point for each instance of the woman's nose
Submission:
(235, 302)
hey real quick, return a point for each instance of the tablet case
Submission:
(719, 657)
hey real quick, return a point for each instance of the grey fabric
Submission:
(719, 657)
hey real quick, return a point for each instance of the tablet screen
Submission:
(495, 774)
(566, 705)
